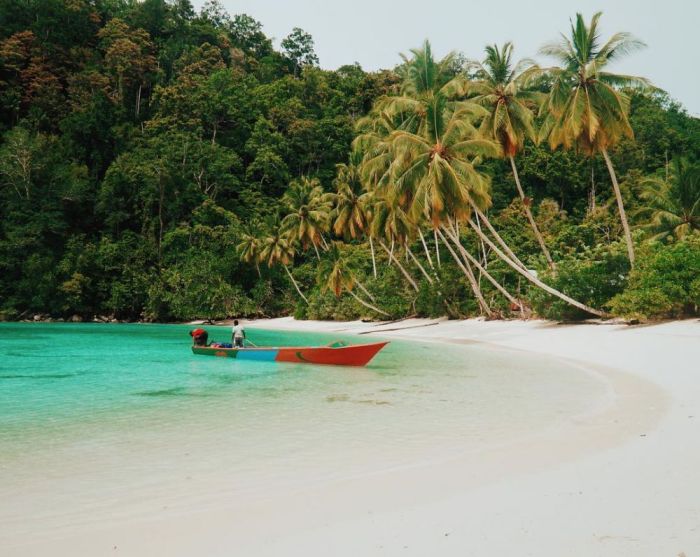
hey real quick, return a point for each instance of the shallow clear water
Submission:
(109, 419)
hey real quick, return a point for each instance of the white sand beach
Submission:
(622, 478)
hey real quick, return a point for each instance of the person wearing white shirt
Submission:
(237, 334)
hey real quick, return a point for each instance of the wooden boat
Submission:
(336, 353)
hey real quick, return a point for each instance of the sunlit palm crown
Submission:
(673, 206)
(309, 211)
(334, 273)
(420, 148)
(586, 107)
(275, 246)
(250, 244)
(501, 89)
(349, 215)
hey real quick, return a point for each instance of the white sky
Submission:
(374, 32)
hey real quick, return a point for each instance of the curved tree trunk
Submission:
(362, 287)
(496, 235)
(425, 248)
(620, 207)
(470, 277)
(404, 272)
(512, 299)
(294, 282)
(534, 280)
(374, 260)
(533, 224)
(422, 270)
(367, 304)
(437, 249)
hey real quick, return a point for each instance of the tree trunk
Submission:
(483, 270)
(374, 260)
(530, 218)
(294, 282)
(404, 272)
(470, 277)
(362, 287)
(161, 199)
(425, 248)
(496, 235)
(437, 249)
(534, 280)
(422, 270)
(138, 101)
(620, 207)
(367, 304)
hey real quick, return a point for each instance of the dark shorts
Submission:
(238, 342)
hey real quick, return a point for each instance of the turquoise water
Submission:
(100, 422)
(53, 375)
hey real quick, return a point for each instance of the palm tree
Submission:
(336, 275)
(276, 248)
(250, 245)
(349, 216)
(672, 206)
(586, 108)
(500, 88)
(308, 213)
(390, 222)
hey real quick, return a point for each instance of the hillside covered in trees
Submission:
(162, 164)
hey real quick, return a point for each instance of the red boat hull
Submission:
(353, 355)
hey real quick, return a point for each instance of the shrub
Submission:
(665, 283)
(592, 277)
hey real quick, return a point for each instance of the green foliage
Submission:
(149, 154)
(664, 284)
(592, 277)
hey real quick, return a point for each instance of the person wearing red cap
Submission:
(199, 337)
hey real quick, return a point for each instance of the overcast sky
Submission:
(374, 32)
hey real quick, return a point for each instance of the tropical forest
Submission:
(159, 163)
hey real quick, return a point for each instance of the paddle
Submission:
(251, 343)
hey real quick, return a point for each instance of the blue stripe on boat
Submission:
(258, 355)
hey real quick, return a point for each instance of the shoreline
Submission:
(622, 478)
(643, 489)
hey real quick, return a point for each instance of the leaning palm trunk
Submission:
(374, 260)
(366, 292)
(620, 207)
(425, 248)
(294, 282)
(482, 269)
(534, 280)
(422, 269)
(367, 304)
(470, 276)
(404, 272)
(437, 249)
(496, 235)
(530, 218)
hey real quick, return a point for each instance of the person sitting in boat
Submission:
(199, 337)
(237, 334)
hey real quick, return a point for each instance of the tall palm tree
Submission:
(349, 216)
(672, 206)
(500, 88)
(390, 222)
(250, 245)
(276, 247)
(308, 213)
(335, 274)
(586, 108)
